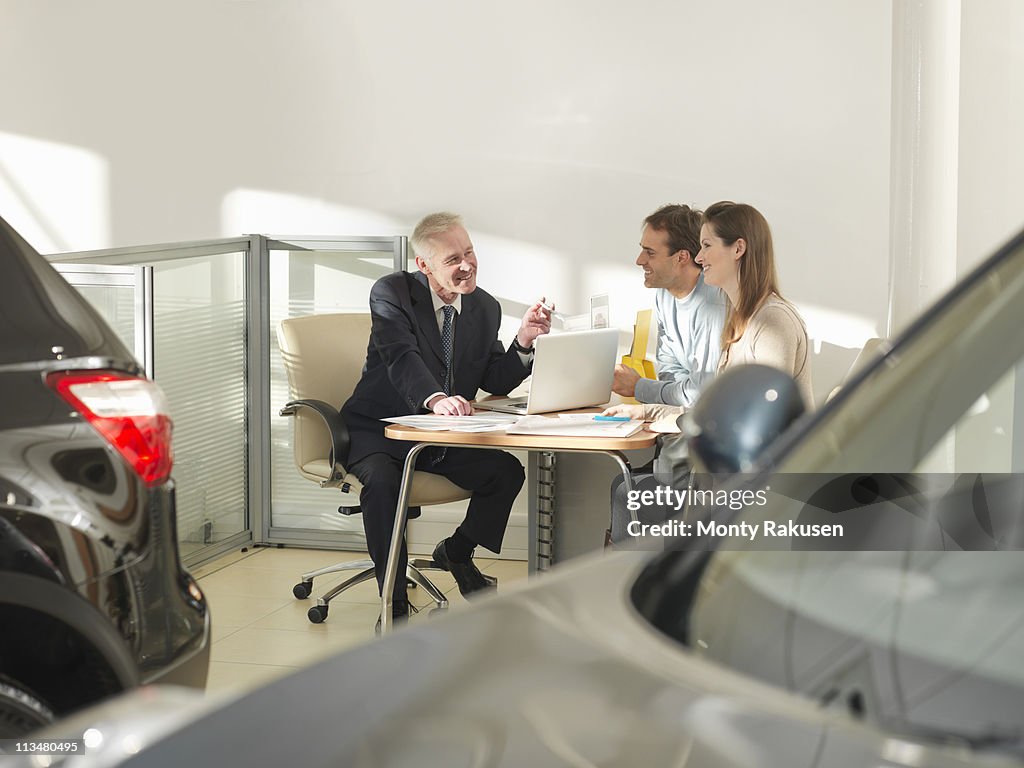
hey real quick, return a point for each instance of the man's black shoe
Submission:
(467, 575)
(399, 615)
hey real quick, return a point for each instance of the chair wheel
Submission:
(302, 589)
(317, 614)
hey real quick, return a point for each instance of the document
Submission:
(490, 422)
(573, 425)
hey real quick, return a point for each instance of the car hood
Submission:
(561, 671)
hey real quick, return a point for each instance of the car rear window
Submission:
(40, 311)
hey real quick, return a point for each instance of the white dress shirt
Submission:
(439, 314)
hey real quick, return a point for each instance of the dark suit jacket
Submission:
(404, 363)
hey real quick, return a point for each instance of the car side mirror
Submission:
(739, 415)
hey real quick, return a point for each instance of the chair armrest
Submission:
(331, 418)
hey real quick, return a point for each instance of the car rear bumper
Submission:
(190, 669)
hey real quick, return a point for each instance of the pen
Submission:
(611, 418)
(550, 309)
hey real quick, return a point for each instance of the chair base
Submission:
(365, 572)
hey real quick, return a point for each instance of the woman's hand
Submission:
(625, 409)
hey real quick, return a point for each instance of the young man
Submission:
(434, 343)
(690, 313)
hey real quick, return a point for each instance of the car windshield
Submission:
(929, 441)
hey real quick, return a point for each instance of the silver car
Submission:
(897, 648)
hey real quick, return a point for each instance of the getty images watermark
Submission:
(862, 511)
(667, 498)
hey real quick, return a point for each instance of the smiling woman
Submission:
(737, 255)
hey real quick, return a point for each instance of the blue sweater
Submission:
(689, 345)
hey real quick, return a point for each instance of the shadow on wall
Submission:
(518, 272)
(509, 261)
(39, 177)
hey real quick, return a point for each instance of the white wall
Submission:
(554, 127)
(991, 199)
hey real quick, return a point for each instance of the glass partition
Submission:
(112, 292)
(199, 359)
(202, 318)
(183, 309)
(310, 276)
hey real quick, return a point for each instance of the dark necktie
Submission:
(447, 334)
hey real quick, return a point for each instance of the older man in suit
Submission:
(434, 343)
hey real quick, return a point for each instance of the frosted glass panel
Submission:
(116, 305)
(199, 361)
(304, 283)
(111, 291)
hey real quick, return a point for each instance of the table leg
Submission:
(545, 538)
(543, 507)
(546, 475)
(397, 537)
(627, 478)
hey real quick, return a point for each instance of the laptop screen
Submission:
(573, 370)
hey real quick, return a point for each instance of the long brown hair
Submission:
(757, 276)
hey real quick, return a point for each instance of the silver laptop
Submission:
(570, 370)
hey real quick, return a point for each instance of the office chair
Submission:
(324, 356)
(868, 352)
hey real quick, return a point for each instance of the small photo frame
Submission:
(599, 311)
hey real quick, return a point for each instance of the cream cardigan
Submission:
(775, 336)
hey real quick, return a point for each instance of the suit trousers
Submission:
(494, 477)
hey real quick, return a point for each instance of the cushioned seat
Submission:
(324, 356)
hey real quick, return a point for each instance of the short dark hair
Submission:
(682, 224)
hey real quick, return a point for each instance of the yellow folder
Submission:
(637, 357)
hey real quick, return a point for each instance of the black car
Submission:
(93, 597)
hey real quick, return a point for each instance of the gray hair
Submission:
(429, 227)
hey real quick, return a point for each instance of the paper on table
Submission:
(666, 424)
(573, 427)
(475, 423)
(482, 427)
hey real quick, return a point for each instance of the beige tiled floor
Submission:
(260, 631)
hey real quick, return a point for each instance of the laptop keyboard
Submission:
(513, 405)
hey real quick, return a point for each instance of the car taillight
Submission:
(128, 411)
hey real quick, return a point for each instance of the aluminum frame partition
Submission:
(138, 256)
(91, 275)
(270, 534)
(257, 525)
(259, 529)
